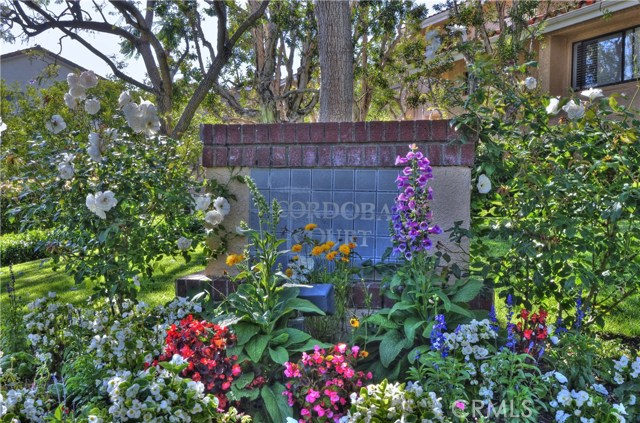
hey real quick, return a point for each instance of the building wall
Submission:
(555, 55)
(41, 70)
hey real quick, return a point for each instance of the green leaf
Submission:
(304, 306)
(279, 355)
(256, 346)
(410, 326)
(454, 308)
(243, 380)
(380, 320)
(468, 292)
(296, 336)
(271, 404)
(244, 331)
(392, 344)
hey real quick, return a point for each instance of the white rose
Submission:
(95, 147)
(124, 99)
(106, 200)
(574, 110)
(592, 93)
(222, 206)
(67, 157)
(72, 80)
(184, 243)
(202, 202)
(530, 83)
(552, 108)
(484, 184)
(66, 171)
(149, 122)
(70, 101)
(88, 79)
(133, 116)
(3, 126)
(56, 124)
(213, 218)
(78, 92)
(92, 106)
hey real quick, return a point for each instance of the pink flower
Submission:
(305, 412)
(312, 396)
(321, 411)
(355, 350)
(341, 348)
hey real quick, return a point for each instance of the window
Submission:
(606, 60)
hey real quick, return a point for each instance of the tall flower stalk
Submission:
(412, 215)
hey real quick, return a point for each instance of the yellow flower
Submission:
(288, 272)
(329, 244)
(296, 248)
(233, 259)
(363, 354)
(345, 250)
(295, 258)
(332, 255)
(345, 259)
(325, 247)
(317, 250)
(354, 322)
(310, 227)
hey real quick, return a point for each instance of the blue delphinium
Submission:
(511, 336)
(437, 335)
(493, 318)
(411, 216)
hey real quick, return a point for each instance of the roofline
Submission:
(586, 13)
(41, 50)
(435, 19)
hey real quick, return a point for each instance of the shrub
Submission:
(21, 247)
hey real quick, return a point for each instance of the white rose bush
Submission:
(118, 195)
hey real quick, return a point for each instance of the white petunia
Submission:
(178, 360)
(92, 106)
(552, 108)
(484, 184)
(222, 206)
(592, 93)
(65, 171)
(213, 218)
(202, 202)
(70, 101)
(184, 243)
(530, 83)
(560, 377)
(56, 124)
(600, 389)
(124, 99)
(88, 79)
(574, 110)
(561, 416)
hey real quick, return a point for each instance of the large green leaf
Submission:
(296, 336)
(468, 292)
(410, 326)
(271, 404)
(379, 320)
(303, 305)
(256, 346)
(245, 331)
(279, 355)
(392, 344)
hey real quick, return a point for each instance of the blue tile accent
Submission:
(260, 177)
(343, 180)
(365, 180)
(321, 179)
(387, 180)
(301, 178)
(280, 178)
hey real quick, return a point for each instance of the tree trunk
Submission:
(335, 49)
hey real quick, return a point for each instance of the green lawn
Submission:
(36, 278)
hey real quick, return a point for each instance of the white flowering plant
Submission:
(118, 195)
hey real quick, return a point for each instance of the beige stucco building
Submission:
(583, 44)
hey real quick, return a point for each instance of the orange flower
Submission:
(352, 245)
(330, 244)
(233, 259)
(296, 248)
(332, 255)
(345, 250)
(317, 250)
(288, 272)
(363, 354)
(310, 227)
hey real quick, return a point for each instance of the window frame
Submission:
(622, 80)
